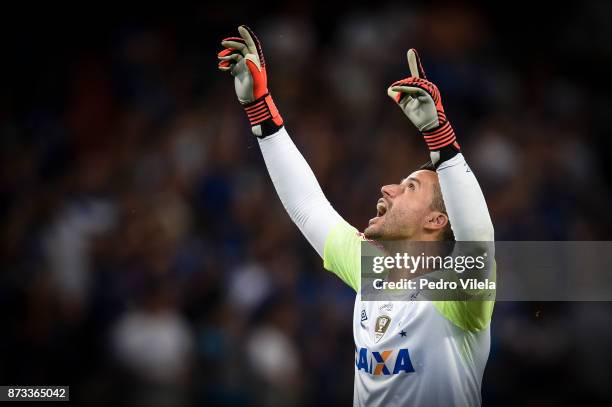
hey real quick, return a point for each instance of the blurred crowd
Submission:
(146, 259)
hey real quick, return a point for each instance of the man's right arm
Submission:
(336, 241)
(298, 189)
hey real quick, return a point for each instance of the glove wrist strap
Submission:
(264, 116)
(442, 143)
(440, 137)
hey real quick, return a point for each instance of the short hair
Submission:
(437, 204)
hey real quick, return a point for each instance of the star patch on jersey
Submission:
(381, 326)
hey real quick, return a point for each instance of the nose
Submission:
(388, 190)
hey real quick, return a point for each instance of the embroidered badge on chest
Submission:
(381, 326)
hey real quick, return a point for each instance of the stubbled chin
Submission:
(371, 232)
(374, 228)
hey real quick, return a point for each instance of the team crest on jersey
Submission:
(381, 326)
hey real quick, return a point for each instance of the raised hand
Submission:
(420, 100)
(243, 58)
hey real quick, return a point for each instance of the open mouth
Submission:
(381, 210)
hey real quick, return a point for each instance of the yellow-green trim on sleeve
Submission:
(468, 315)
(342, 254)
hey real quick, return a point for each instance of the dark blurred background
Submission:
(146, 259)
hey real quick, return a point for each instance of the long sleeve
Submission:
(465, 203)
(470, 221)
(298, 189)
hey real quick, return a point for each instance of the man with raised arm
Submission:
(421, 353)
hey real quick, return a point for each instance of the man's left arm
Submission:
(471, 222)
(468, 214)
(465, 203)
(421, 101)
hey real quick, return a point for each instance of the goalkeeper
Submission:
(424, 353)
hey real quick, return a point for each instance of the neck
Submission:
(408, 242)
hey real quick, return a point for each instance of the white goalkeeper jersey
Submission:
(416, 353)
(407, 353)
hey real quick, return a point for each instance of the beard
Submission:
(372, 232)
(379, 230)
(390, 226)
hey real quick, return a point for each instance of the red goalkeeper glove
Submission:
(420, 100)
(244, 58)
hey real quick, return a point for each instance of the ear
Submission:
(435, 221)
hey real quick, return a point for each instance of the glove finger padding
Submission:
(236, 43)
(246, 46)
(253, 44)
(228, 57)
(414, 64)
(243, 57)
(426, 112)
(225, 65)
(423, 84)
(420, 100)
(403, 94)
(250, 47)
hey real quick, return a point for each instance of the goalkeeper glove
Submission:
(420, 100)
(243, 57)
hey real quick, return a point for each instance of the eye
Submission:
(411, 185)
